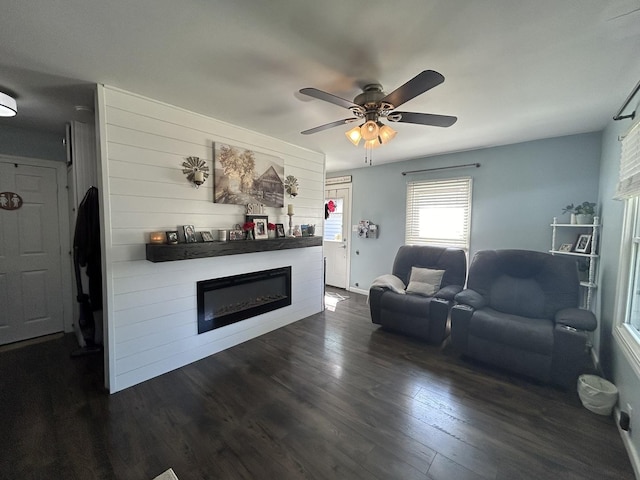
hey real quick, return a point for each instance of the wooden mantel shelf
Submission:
(186, 251)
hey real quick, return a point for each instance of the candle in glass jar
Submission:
(157, 237)
(198, 176)
(290, 209)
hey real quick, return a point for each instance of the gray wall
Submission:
(30, 143)
(516, 193)
(612, 216)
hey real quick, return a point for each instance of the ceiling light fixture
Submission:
(371, 131)
(374, 133)
(83, 108)
(354, 135)
(373, 104)
(8, 107)
(386, 133)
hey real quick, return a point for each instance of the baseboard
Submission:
(358, 290)
(631, 451)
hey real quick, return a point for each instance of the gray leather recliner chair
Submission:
(421, 316)
(519, 312)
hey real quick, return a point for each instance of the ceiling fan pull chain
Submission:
(367, 154)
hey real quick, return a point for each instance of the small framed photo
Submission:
(260, 228)
(565, 247)
(280, 230)
(172, 237)
(583, 243)
(189, 234)
(207, 237)
(236, 234)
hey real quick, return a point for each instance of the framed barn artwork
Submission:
(245, 177)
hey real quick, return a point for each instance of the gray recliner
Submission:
(519, 312)
(421, 316)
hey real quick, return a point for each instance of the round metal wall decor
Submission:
(10, 201)
(193, 165)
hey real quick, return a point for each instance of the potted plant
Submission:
(581, 214)
(271, 230)
(585, 212)
(248, 228)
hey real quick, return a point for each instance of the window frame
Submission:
(342, 227)
(628, 189)
(410, 239)
(624, 334)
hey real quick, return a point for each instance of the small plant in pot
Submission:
(581, 214)
(585, 212)
(271, 230)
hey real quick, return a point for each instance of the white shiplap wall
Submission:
(151, 322)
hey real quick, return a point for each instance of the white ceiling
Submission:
(515, 70)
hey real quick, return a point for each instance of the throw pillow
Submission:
(424, 281)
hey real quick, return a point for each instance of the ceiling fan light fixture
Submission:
(386, 134)
(370, 130)
(375, 143)
(354, 135)
(8, 106)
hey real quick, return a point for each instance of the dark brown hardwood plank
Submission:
(331, 396)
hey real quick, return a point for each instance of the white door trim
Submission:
(63, 229)
(347, 233)
(349, 236)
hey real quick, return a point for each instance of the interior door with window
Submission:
(30, 271)
(337, 236)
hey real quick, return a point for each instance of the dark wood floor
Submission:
(329, 397)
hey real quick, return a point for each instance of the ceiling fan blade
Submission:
(425, 119)
(417, 85)
(327, 126)
(327, 97)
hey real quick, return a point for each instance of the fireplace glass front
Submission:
(227, 300)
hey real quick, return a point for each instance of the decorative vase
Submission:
(573, 219)
(584, 219)
(271, 233)
(249, 234)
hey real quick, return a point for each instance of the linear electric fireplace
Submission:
(223, 301)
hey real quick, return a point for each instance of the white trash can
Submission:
(597, 394)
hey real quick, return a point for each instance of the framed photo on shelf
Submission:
(236, 234)
(189, 234)
(280, 230)
(207, 237)
(565, 247)
(260, 228)
(172, 237)
(583, 243)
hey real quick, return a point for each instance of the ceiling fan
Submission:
(373, 104)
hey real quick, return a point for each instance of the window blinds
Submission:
(629, 185)
(439, 213)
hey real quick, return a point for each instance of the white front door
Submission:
(337, 236)
(30, 276)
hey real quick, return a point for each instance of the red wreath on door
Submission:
(329, 207)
